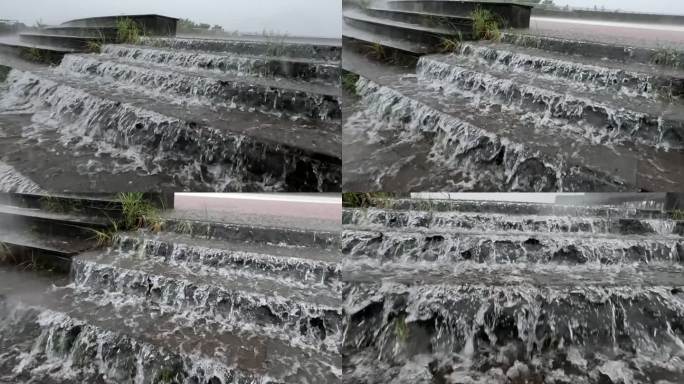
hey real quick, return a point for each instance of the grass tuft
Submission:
(128, 31)
(6, 254)
(349, 80)
(486, 25)
(401, 329)
(138, 212)
(366, 199)
(678, 214)
(668, 57)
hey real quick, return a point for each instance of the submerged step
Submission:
(236, 150)
(482, 333)
(78, 43)
(607, 116)
(377, 43)
(463, 24)
(431, 37)
(597, 50)
(233, 91)
(92, 336)
(311, 314)
(499, 150)
(628, 78)
(513, 15)
(256, 234)
(447, 247)
(512, 208)
(483, 222)
(100, 33)
(268, 47)
(299, 266)
(268, 66)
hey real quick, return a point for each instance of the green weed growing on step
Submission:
(128, 31)
(42, 56)
(678, 214)
(349, 80)
(104, 237)
(95, 46)
(486, 25)
(138, 213)
(4, 72)
(377, 51)
(6, 254)
(453, 44)
(366, 199)
(401, 329)
(668, 57)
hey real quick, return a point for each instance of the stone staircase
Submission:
(402, 28)
(529, 113)
(496, 292)
(37, 229)
(179, 114)
(198, 302)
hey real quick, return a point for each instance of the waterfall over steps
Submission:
(496, 292)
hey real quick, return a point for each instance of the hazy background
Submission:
(321, 18)
(675, 7)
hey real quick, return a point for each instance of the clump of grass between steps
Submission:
(137, 213)
(6, 255)
(486, 25)
(366, 199)
(128, 31)
(349, 80)
(678, 214)
(42, 56)
(4, 72)
(668, 57)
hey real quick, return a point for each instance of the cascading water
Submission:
(240, 128)
(468, 295)
(175, 308)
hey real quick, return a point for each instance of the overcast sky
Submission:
(296, 17)
(650, 6)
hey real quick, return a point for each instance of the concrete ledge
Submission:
(515, 15)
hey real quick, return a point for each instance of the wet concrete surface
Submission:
(263, 210)
(632, 34)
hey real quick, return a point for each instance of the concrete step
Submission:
(379, 46)
(105, 204)
(49, 223)
(648, 80)
(240, 301)
(299, 266)
(228, 139)
(488, 145)
(110, 336)
(510, 208)
(603, 114)
(413, 245)
(258, 234)
(430, 37)
(514, 15)
(530, 333)
(267, 47)
(77, 43)
(314, 70)
(496, 222)
(100, 33)
(291, 97)
(597, 50)
(426, 19)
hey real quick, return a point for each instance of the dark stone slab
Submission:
(152, 25)
(514, 15)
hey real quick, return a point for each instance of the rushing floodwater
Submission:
(449, 296)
